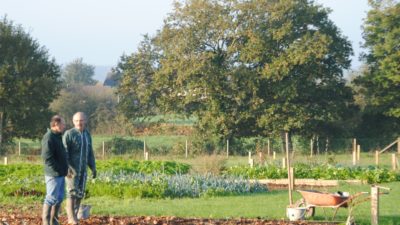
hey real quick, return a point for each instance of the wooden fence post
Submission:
(398, 145)
(227, 148)
(358, 152)
(288, 166)
(146, 156)
(104, 151)
(394, 162)
(144, 148)
(19, 148)
(311, 147)
(186, 148)
(268, 148)
(251, 163)
(283, 163)
(5, 161)
(377, 158)
(292, 178)
(274, 155)
(354, 158)
(374, 205)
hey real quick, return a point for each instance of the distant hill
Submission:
(100, 73)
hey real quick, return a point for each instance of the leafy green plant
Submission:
(322, 171)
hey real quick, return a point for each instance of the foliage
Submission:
(78, 72)
(120, 145)
(113, 78)
(127, 179)
(243, 68)
(145, 167)
(125, 185)
(370, 174)
(379, 83)
(29, 81)
(136, 87)
(98, 102)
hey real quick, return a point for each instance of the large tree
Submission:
(251, 67)
(29, 81)
(381, 80)
(78, 72)
(137, 90)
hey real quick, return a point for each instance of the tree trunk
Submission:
(283, 139)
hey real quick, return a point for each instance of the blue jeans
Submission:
(55, 189)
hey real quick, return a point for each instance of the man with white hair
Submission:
(78, 143)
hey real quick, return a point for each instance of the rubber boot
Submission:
(55, 210)
(77, 205)
(71, 211)
(46, 214)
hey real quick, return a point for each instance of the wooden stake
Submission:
(292, 178)
(5, 161)
(283, 163)
(227, 148)
(354, 158)
(268, 148)
(311, 147)
(19, 148)
(377, 158)
(274, 156)
(374, 205)
(398, 145)
(251, 163)
(146, 156)
(104, 151)
(358, 152)
(186, 149)
(144, 148)
(354, 145)
(288, 166)
(260, 155)
(394, 162)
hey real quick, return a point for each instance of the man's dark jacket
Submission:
(54, 155)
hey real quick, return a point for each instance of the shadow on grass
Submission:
(390, 220)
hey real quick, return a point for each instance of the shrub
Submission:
(120, 146)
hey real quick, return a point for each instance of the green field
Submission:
(271, 205)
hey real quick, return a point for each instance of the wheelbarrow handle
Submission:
(380, 187)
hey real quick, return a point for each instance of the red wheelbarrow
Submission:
(312, 199)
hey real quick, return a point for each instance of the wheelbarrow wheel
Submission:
(310, 210)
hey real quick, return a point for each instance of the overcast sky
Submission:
(100, 31)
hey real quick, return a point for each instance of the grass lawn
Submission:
(270, 205)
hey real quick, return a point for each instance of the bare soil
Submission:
(31, 215)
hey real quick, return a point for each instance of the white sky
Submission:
(100, 31)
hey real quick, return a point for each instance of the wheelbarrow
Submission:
(313, 199)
